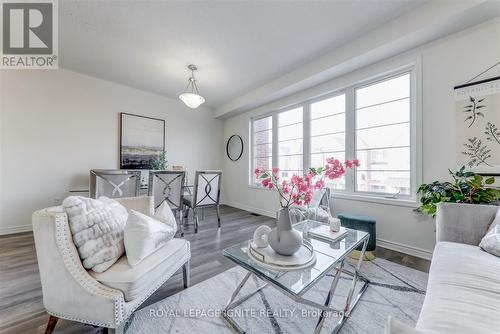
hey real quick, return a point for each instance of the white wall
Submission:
(442, 65)
(56, 125)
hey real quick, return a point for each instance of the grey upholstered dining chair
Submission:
(114, 183)
(168, 186)
(206, 193)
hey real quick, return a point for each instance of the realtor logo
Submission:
(29, 34)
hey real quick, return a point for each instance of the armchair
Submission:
(107, 299)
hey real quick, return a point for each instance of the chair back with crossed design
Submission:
(167, 186)
(207, 188)
(114, 183)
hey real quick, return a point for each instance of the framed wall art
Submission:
(142, 140)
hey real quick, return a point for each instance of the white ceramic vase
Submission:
(284, 239)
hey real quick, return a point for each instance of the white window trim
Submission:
(415, 70)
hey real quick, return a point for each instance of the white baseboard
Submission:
(410, 250)
(266, 213)
(15, 229)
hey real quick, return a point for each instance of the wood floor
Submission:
(21, 307)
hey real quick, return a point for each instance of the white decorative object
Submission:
(260, 236)
(144, 235)
(267, 257)
(324, 232)
(97, 228)
(334, 224)
(284, 239)
(191, 97)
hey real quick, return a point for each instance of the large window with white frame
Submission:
(373, 121)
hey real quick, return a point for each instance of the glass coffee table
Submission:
(330, 258)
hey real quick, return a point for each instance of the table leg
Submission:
(321, 319)
(348, 307)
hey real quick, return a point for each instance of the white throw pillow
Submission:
(491, 241)
(97, 229)
(144, 234)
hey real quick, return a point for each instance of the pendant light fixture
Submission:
(191, 97)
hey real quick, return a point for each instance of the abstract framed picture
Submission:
(478, 126)
(142, 140)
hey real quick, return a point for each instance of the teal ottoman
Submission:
(361, 223)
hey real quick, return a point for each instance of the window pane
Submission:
(263, 163)
(334, 105)
(291, 162)
(388, 159)
(263, 137)
(262, 124)
(290, 117)
(326, 125)
(393, 112)
(329, 143)
(384, 91)
(383, 182)
(384, 136)
(265, 150)
(290, 132)
(291, 147)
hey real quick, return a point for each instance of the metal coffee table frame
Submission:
(338, 267)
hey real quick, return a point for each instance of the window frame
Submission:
(350, 191)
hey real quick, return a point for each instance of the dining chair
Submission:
(206, 193)
(168, 186)
(114, 183)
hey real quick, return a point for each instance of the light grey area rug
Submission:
(394, 290)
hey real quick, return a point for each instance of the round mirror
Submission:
(234, 147)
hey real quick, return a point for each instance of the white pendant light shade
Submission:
(191, 97)
(192, 100)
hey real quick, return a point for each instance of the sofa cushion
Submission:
(97, 229)
(143, 234)
(145, 276)
(463, 292)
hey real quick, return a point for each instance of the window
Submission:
(262, 147)
(372, 121)
(383, 136)
(290, 143)
(328, 134)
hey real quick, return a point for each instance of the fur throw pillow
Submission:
(97, 227)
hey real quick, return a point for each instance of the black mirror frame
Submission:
(242, 148)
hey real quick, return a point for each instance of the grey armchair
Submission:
(168, 186)
(206, 193)
(102, 299)
(114, 183)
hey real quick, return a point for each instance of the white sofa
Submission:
(106, 299)
(463, 291)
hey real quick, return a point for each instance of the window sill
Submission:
(410, 203)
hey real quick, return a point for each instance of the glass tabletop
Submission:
(328, 255)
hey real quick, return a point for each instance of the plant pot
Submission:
(283, 239)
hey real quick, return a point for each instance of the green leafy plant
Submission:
(467, 187)
(160, 163)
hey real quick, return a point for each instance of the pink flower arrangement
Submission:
(299, 190)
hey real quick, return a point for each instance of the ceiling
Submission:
(237, 46)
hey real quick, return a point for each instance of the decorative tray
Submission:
(267, 257)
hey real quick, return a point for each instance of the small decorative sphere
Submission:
(260, 236)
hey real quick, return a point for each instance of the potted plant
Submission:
(299, 190)
(467, 187)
